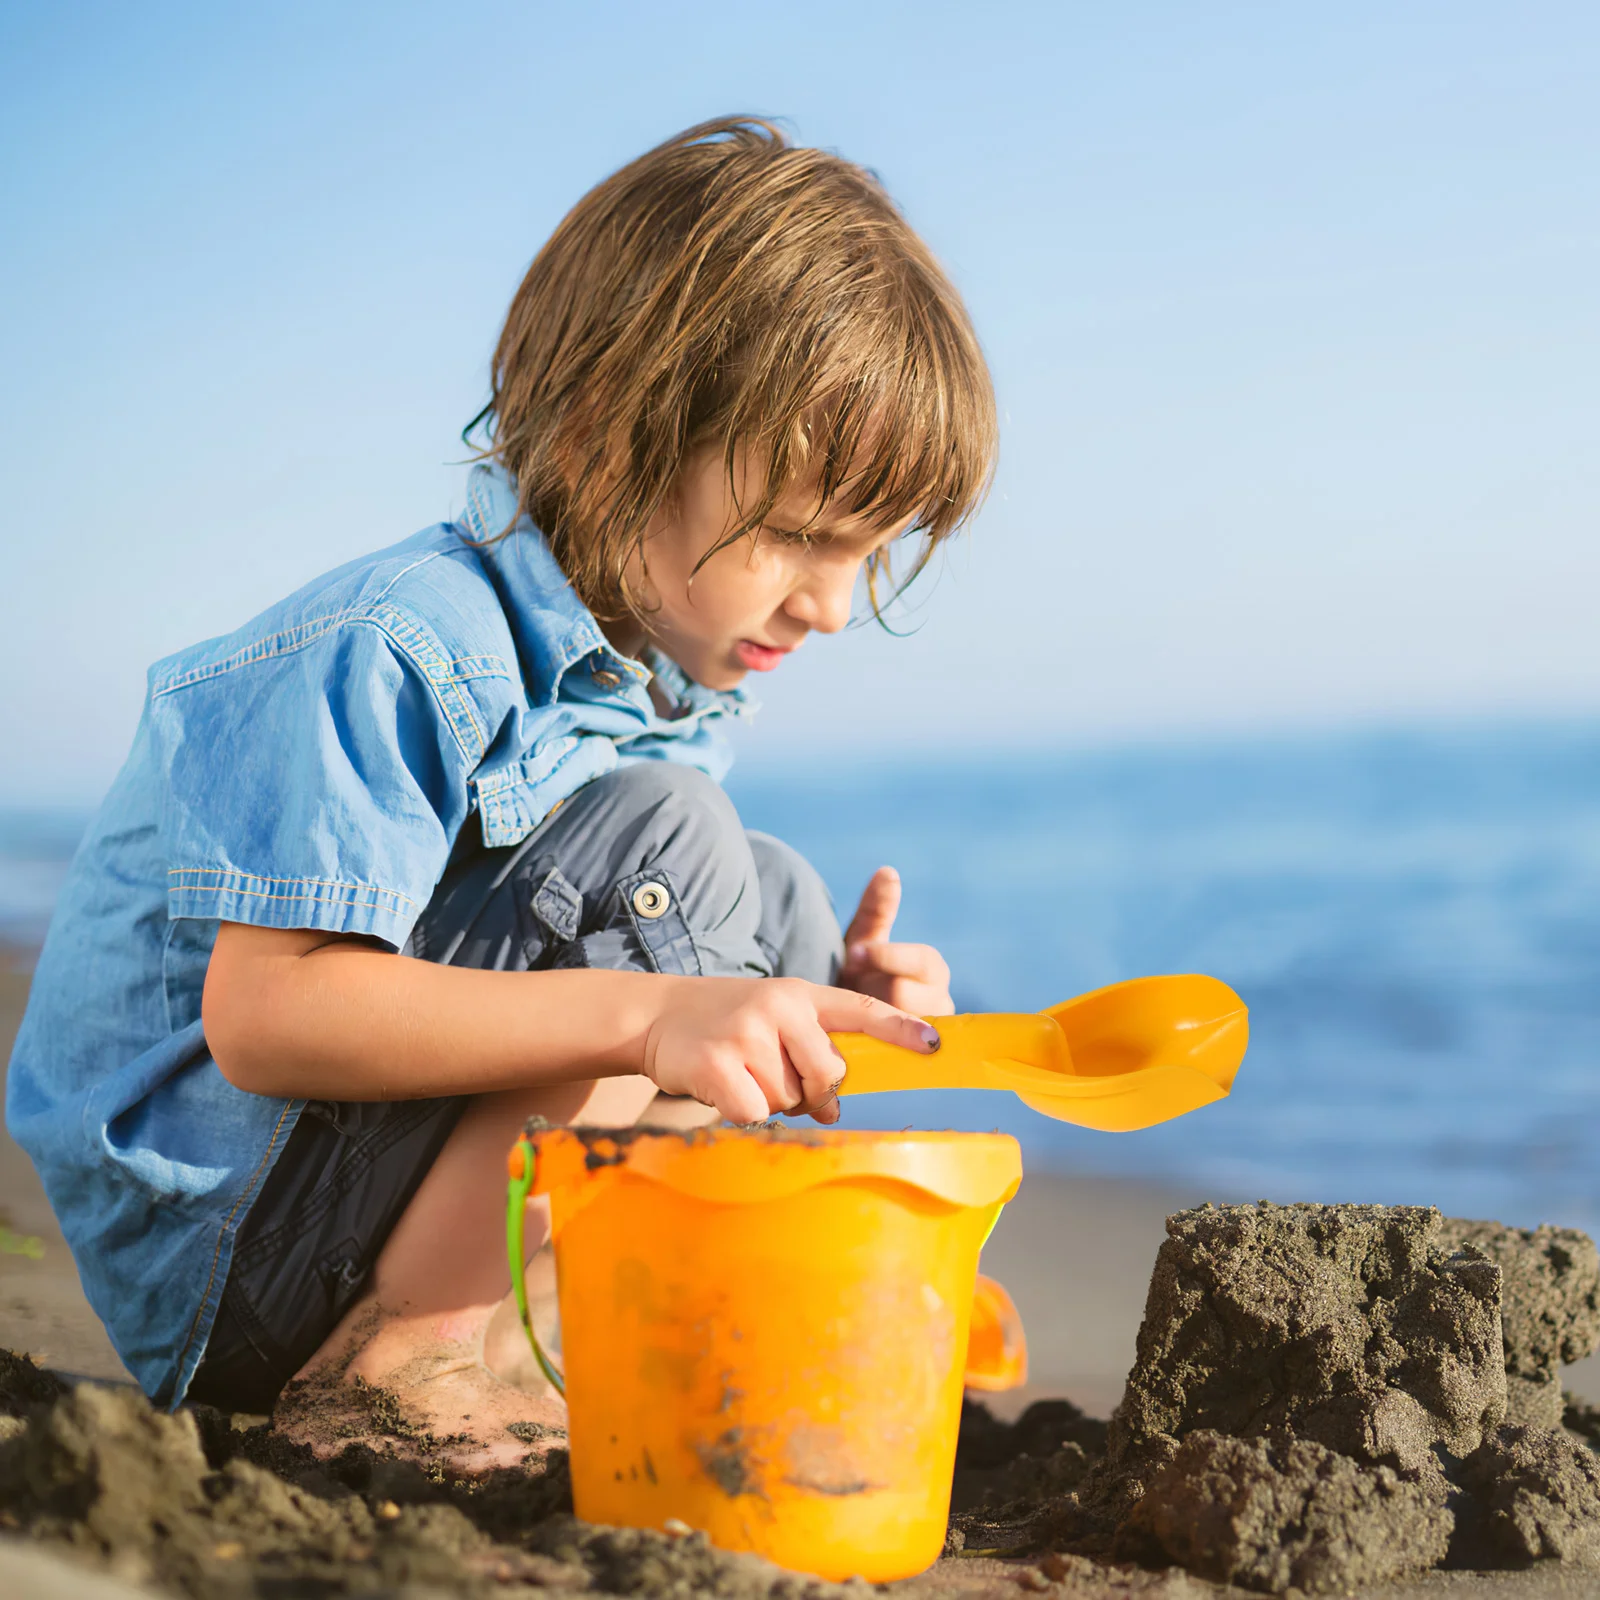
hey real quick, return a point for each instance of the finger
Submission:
(827, 1113)
(769, 1066)
(818, 1063)
(905, 994)
(737, 1095)
(920, 999)
(880, 905)
(791, 1087)
(920, 962)
(845, 1011)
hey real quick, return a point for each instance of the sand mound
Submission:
(1549, 1308)
(194, 1505)
(1529, 1494)
(1321, 1394)
(1357, 1327)
(1289, 1513)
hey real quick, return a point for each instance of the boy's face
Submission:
(756, 600)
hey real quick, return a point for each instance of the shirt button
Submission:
(606, 678)
(651, 900)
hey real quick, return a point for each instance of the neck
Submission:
(626, 636)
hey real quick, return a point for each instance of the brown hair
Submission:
(729, 289)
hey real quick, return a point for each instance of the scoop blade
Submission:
(1185, 1019)
(1124, 1057)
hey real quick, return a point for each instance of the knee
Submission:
(658, 814)
(667, 801)
(788, 879)
(669, 833)
(798, 920)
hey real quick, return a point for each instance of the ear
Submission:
(576, 458)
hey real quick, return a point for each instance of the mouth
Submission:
(759, 657)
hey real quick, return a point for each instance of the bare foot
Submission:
(430, 1364)
(421, 1388)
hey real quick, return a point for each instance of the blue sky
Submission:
(1292, 313)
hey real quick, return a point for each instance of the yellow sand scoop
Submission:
(1124, 1057)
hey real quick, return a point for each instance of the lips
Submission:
(758, 657)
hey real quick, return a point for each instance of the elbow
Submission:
(258, 1011)
(239, 1043)
(235, 1059)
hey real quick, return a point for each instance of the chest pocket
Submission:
(512, 799)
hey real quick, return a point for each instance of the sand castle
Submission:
(1332, 1396)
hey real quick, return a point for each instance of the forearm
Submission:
(289, 1015)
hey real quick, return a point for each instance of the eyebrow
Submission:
(823, 531)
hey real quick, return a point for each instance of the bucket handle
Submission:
(521, 1165)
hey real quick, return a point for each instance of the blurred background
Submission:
(1274, 654)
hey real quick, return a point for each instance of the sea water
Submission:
(1412, 917)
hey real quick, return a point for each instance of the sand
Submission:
(1076, 1253)
(42, 1309)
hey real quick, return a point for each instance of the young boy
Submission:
(437, 843)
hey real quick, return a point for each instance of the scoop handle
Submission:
(985, 1050)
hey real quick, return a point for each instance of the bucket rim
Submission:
(750, 1165)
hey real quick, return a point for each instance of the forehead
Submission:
(801, 507)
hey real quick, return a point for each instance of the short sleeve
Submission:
(318, 787)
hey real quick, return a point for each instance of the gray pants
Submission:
(647, 869)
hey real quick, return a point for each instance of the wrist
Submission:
(625, 1011)
(663, 996)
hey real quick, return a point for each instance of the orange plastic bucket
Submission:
(765, 1332)
(997, 1348)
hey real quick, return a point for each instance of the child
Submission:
(437, 843)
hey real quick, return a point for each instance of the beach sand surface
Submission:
(1074, 1251)
(42, 1308)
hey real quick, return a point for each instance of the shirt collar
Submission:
(554, 629)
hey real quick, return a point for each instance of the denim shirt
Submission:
(312, 770)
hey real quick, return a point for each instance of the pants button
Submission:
(651, 900)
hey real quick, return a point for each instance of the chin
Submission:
(719, 675)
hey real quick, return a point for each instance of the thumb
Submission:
(874, 918)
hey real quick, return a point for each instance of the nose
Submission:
(822, 602)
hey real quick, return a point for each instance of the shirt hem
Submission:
(332, 906)
(205, 1317)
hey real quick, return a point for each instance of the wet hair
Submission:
(730, 290)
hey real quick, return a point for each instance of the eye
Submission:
(797, 538)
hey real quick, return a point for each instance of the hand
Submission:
(912, 977)
(752, 1046)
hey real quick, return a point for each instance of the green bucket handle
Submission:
(522, 1164)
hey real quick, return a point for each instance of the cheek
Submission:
(732, 585)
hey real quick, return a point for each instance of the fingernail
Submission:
(856, 952)
(930, 1038)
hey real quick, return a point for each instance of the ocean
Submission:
(1413, 918)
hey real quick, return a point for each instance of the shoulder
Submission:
(429, 597)
(424, 610)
